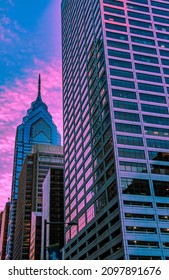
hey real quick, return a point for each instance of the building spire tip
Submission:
(39, 86)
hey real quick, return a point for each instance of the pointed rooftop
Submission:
(39, 88)
(38, 104)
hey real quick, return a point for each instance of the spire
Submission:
(39, 87)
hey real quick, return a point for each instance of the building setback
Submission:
(116, 128)
(37, 128)
(30, 194)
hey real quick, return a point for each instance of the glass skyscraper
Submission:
(37, 128)
(116, 128)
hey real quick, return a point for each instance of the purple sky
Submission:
(30, 43)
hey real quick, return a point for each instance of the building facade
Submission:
(116, 128)
(53, 211)
(4, 230)
(30, 194)
(37, 128)
(35, 236)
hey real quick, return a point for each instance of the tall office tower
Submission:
(4, 229)
(37, 127)
(116, 128)
(30, 193)
(53, 211)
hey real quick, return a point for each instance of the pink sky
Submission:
(14, 104)
(24, 54)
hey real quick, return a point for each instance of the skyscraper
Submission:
(116, 128)
(30, 193)
(37, 128)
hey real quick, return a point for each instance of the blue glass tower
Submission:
(37, 128)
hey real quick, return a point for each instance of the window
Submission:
(156, 120)
(164, 53)
(113, 10)
(166, 71)
(122, 83)
(159, 169)
(152, 98)
(143, 41)
(126, 116)
(143, 244)
(159, 156)
(164, 218)
(144, 49)
(116, 27)
(154, 109)
(164, 230)
(131, 153)
(163, 44)
(147, 68)
(129, 128)
(114, 18)
(112, 191)
(151, 78)
(165, 61)
(161, 188)
(121, 73)
(121, 54)
(151, 88)
(124, 94)
(118, 45)
(116, 36)
(125, 105)
(113, 2)
(129, 140)
(138, 1)
(133, 257)
(135, 186)
(141, 32)
(140, 229)
(159, 4)
(133, 216)
(138, 204)
(133, 167)
(149, 59)
(161, 27)
(161, 19)
(156, 131)
(158, 143)
(163, 205)
(140, 23)
(163, 36)
(139, 15)
(120, 63)
(160, 12)
(137, 7)
(166, 245)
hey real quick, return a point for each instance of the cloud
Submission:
(15, 100)
(9, 30)
(10, 2)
